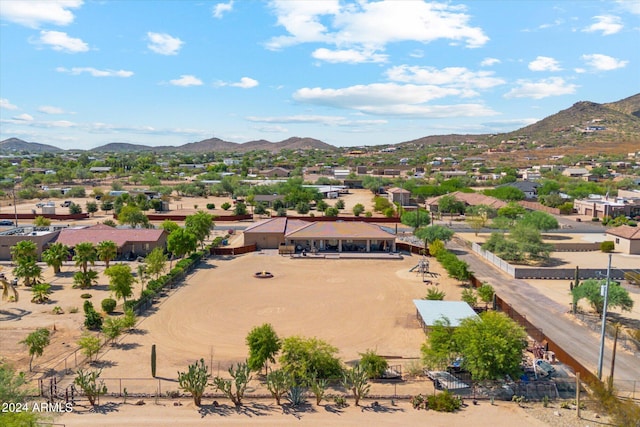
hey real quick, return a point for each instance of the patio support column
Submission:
(339, 245)
(368, 245)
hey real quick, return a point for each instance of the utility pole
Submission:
(604, 292)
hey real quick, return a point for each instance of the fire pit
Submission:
(263, 275)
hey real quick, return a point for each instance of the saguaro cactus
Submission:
(153, 360)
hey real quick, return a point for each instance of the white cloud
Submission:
(61, 42)
(245, 83)
(392, 99)
(347, 55)
(186, 80)
(488, 62)
(75, 71)
(370, 26)
(458, 77)
(544, 63)
(316, 119)
(4, 103)
(164, 44)
(544, 88)
(221, 8)
(23, 117)
(631, 6)
(33, 14)
(601, 62)
(608, 24)
(48, 109)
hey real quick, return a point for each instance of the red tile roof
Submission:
(340, 230)
(276, 225)
(626, 232)
(100, 232)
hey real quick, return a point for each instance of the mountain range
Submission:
(605, 123)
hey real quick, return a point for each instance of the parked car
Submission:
(66, 203)
(6, 222)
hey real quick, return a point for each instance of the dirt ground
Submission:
(354, 305)
(266, 412)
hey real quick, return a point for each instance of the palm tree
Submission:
(85, 280)
(41, 293)
(56, 255)
(8, 290)
(85, 254)
(24, 249)
(107, 250)
(28, 270)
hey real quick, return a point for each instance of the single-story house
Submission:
(341, 236)
(130, 241)
(626, 239)
(267, 199)
(100, 169)
(429, 312)
(398, 195)
(529, 188)
(276, 172)
(338, 236)
(41, 236)
(269, 234)
(602, 206)
(469, 199)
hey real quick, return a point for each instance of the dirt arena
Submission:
(354, 305)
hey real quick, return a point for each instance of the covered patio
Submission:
(341, 237)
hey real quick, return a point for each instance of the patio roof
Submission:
(432, 311)
(340, 230)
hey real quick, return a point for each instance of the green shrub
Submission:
(607, 246)
(92, 319)
(444, 402)
(211, 206)
(86, 296)
(108, 305)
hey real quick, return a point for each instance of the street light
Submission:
(604, 292)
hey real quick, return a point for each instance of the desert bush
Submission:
(607, 246)
(108, 305)
(444, 402)
(211, 206)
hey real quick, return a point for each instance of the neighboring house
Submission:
(338, 236)
(398, 195)
(100, 169)
(267, 199)
(626, 239)
(191, 165)
(529, 188)
(130, 241)
(41, 236)
(469, 199)
(276, 172)
(231, 162)
(453, 174)
(575, 172)
(361, 170)
(599, 207)
(341, 173)
(429, 312)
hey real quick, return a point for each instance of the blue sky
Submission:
(79, 74)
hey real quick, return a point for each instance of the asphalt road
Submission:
(552, 318)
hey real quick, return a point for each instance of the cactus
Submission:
(153, 360)
(577, 277)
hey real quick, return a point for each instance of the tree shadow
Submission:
(334, 409)
(13, 314)
(254, 409)
(216, 409)
(127, 346)
(378, 408)
(136, 331)
(103, 363)
(297, 410)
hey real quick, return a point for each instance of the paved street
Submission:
(550, 316)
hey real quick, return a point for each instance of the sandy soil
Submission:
(353, 304)
(266, 412)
